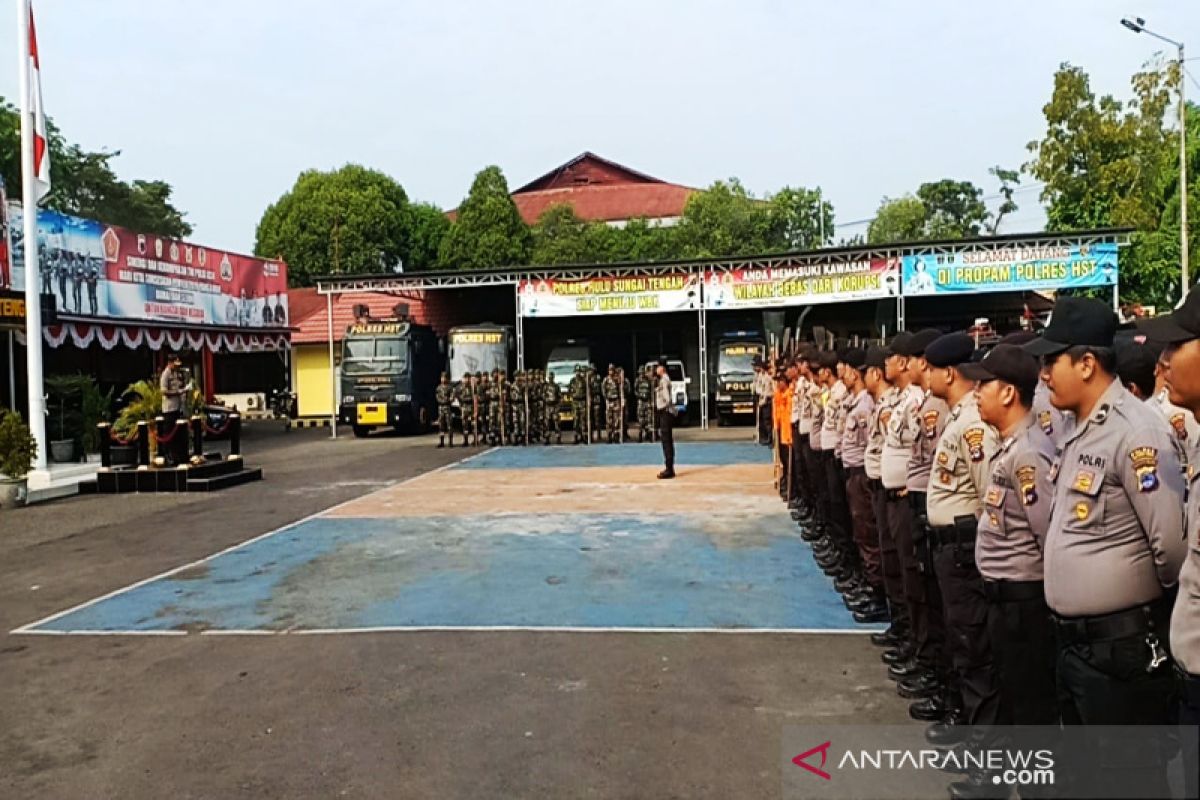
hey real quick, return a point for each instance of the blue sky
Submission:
(228, 101)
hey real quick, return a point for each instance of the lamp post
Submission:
(1138, 25)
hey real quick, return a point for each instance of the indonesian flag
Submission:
(41, 152)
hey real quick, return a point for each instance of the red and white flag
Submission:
(41, 150)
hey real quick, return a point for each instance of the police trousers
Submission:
(1023, 648)
(1106, 681)
(666, 425)
(1188, 689)
(784, 457)
(899, 527)
(799, 490)
(862, 517)
(840, 526)
(816, 469)
(889, 559)
(927, 600)
(967, 640)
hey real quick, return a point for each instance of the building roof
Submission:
(600, 190)
(308, 310)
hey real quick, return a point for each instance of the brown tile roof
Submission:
(606, 203)
(308, 310)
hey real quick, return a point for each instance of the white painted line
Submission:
(549, 629)
(24, 632)
(26, 628)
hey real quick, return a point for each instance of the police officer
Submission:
(815, 407)
(1180, 331)
(872, 603)
(957, 487)
(764, 389)
(802, 500)
(1182, 421)
(841, 531)
(664, 409)
(1011, 536)
(444, 397)
(1114, 547)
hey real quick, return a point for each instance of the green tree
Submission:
(953, 209)
(1108, 163)
(488, 230)
(723, 220)
(797, 219)
(1009, 180)
(85, 184)
(428, 225)
(350, 220)
(561, 237)
(900, 219)
(642, 241)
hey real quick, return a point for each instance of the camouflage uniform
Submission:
(516, 412)
(495, 431)
(579, 404)
(611, 388)
(533, 390)
(643, 390)
(597, 409)
(551, 400)
(485, 390)
(468, 392)
(444, 396)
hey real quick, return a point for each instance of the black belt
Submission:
(1130, 622)
(1011, 591)
(896, 494)
(876, 484)
(850, 471)
(948, 535)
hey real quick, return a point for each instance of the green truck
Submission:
(389, 374)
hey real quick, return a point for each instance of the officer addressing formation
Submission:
(525, 409)
(1018, 517)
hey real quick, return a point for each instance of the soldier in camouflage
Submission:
(551, 400)
(445, 397)
(494, 408)
(597, 404)
(643, 390)
(611, 389)
(579, 408)
(516, 417)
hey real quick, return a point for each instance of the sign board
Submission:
(378, 329)
(1010, 269)
(634, 294)
(12, 310)
(822, 282)
(107, 272)
(477, 337)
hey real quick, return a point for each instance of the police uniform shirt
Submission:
(961, 463)
(764, 387)
(797, 398)
(1116, 527)
(857, 429)
(1185, 619)
(820, 399)
(930, 422)
(830, 438)
(1183, 423)
(873, 459)
(1053, 424)
(1016, 507)
(804, 391)
(900, 432)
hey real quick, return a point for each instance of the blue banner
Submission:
(1010, 269)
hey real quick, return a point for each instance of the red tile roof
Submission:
(607, 203)
(308, 310)
(587, 167)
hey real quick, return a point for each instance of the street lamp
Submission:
(1138, 25)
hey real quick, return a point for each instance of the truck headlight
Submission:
(347, 398)
(724, 398)
(402, 398)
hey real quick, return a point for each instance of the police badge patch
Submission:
(1145, 466)
(1084, 479)
(1046, 420)
(930, 420)
(1027, 480)
(974, 439)
(1180, 426)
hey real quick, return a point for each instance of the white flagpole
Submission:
(33, 305)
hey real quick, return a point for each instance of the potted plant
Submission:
(17, 450)
(143, 402)
(65, 414)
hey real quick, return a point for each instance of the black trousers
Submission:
(765, 422)
(785, 469)
(167, 451)
(1189, 714)
(1023, 649)
(799, 481)
(1105, 682)
(840, 526)
(893, 580)
(816, 472)
(666, 429)
(966, 614)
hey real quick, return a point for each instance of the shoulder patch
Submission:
(1046, 421)
(1027, 481)
(974, 439)
(1180, 425)
(930, 421)
(1145, 466)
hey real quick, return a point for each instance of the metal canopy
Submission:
(511, 276)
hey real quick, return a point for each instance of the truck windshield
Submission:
(674, 372)
(564, 371)
(738, 359)
(476, 357)
(361, 356)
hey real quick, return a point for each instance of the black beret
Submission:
(898, 344)
(950, 350)
(876, 356)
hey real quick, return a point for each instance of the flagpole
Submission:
(33, 305)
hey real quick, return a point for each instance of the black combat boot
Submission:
(442, 441)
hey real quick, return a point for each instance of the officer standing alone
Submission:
(664, 408)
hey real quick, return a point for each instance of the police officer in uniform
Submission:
(1180, 331)
(1114, 547)
(957, 487)
(802, 501)
(815, 406)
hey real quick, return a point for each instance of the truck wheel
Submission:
(361, 431)
(722, 420)
(424, 420)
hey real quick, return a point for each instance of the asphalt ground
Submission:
(389, 714)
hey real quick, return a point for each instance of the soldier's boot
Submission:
(452, 438)
(441, 440)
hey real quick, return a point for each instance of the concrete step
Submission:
(225, 481)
